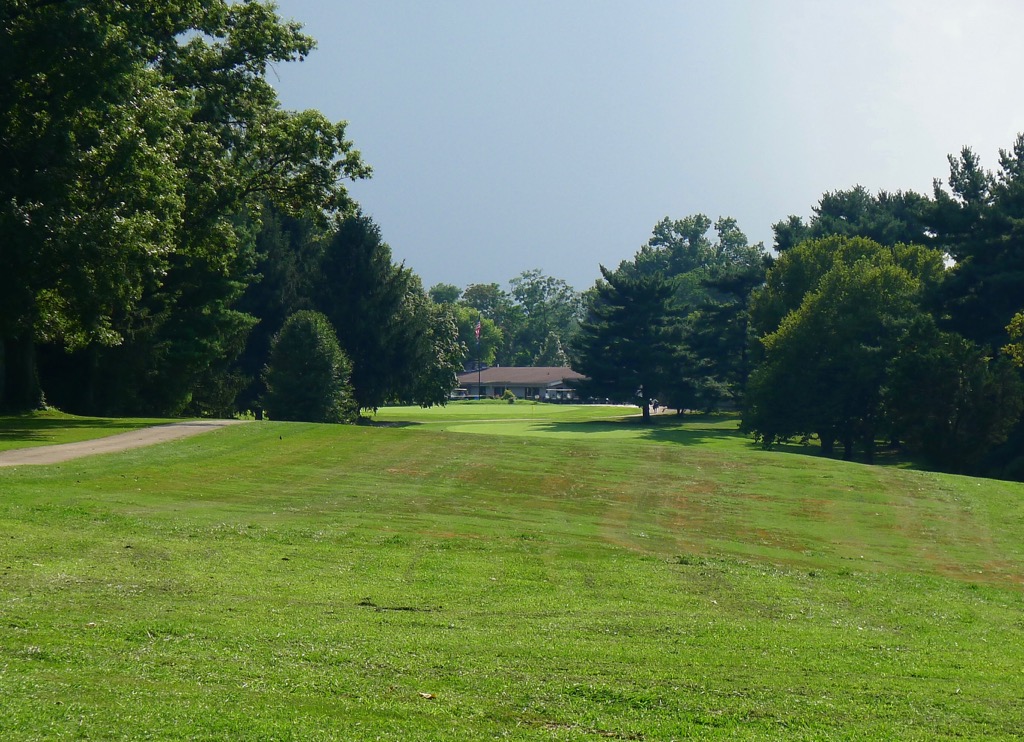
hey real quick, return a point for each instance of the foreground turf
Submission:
(564, 579)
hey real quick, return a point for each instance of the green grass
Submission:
(51, 427)
(493, 409)
(577, 422)
(558, 576)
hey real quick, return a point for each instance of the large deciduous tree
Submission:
(90, 194)
(852, 352)
(139, 139)
(480, 346)
(824, 368)
(949, 400)
(444, 293)
(549, 306)
(1015, 330)
(799, 270)
(493, 303)
(537, 315)
(438, 353)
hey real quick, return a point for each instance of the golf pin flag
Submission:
(478, 331)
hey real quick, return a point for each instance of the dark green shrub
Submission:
(308, 373)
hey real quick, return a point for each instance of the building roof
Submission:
(521, 376)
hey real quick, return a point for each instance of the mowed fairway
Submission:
(505, 572)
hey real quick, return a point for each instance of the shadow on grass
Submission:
(886, 457)
(687, 430)
(696, 430)
(371, 423)
(29, 428)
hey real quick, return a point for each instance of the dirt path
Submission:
(111, 444)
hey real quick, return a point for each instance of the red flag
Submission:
(478, 331)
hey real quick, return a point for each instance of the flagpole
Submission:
(479, 387)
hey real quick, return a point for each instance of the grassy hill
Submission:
(495, 571)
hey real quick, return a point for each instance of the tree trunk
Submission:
(828, 444)
(92, 378)
(847, 448)
(869, 448)
(744, 358)
(647, 411)
(21, 391)
(3, 374)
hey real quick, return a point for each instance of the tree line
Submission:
(892, 317)
(531, 324)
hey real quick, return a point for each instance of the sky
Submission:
(554, 134)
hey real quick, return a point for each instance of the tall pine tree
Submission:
(629, 342)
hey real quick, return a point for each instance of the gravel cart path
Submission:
(110, 444)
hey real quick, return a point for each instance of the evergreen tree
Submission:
(403, 346)
(629, 342)
(888, 218)
(979, 221)
(711, 279)
(364, 295)
(308, 374)
(288, 250)
(718, 333)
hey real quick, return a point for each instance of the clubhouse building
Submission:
(541, 383)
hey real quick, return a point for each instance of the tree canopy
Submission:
(1015, 330)
(831, 355)
(711, 279)
(826, 373)
(522, 326)
(140, 140)
(888, 218)
(979, 221)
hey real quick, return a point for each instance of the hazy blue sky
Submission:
(553, 134)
